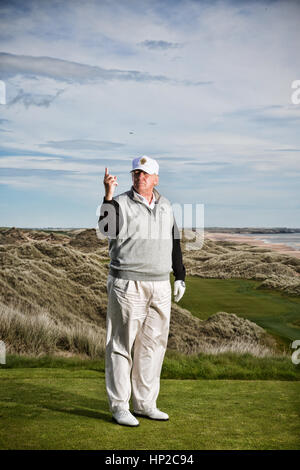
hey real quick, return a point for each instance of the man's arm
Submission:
(177, 264)
(110, 220)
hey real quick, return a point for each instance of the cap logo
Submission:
(143, 161)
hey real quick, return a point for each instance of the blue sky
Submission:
(203, 87)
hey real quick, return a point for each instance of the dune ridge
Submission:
(56, 282)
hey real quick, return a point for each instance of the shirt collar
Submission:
(144, 200)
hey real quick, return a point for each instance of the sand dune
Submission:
(64, 275)
(250, 240)
(224, 257)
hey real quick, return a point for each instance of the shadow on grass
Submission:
(52, 399)
(83, 412)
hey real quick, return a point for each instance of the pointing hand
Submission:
(110, 183)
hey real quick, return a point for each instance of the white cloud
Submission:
(81, 82)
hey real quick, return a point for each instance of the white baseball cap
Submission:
(147, 164)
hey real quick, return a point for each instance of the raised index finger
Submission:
(106, 172)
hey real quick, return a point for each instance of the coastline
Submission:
(250, 240)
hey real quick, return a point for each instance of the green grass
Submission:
(53, 408)
(274, 311)
(178, 366)
(229, 366)
(53, 362)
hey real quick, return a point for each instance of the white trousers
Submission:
(138, 318)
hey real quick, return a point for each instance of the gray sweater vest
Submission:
(142, 250)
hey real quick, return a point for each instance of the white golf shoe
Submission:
(125, 418)
(153, 413)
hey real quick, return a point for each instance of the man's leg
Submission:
(126, 311)
(149, 348)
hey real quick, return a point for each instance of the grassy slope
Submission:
(67, 409)
(278, 313)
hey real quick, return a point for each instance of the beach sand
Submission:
(250, 240)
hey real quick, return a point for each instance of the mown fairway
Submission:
(276, 312)
(67, 409)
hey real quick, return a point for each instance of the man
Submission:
(144, 247)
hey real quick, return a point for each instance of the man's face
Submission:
(143, 182)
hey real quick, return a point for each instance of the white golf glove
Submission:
(179, 289)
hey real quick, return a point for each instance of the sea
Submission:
(289, 239)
